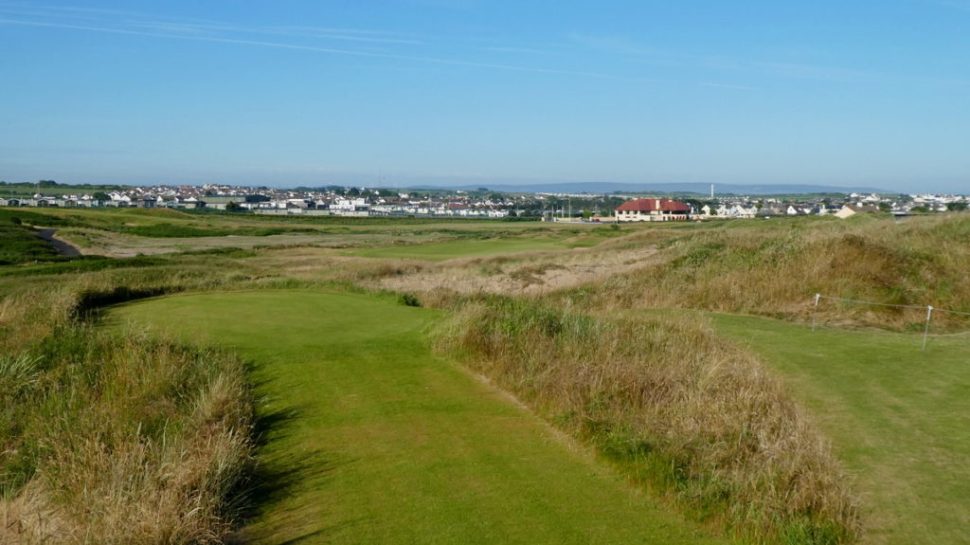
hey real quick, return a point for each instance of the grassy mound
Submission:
(113, 437)
(20, 244)
(776, 270)
(673, 404)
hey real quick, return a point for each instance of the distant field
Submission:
(28, 190)
(464, 248)
(899, 418)
(374, 440)
(129, 232)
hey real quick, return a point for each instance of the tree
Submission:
(956, 206)
(101, 196)
(233, 207)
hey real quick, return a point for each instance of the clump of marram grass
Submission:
(121, 439)
(675, 406)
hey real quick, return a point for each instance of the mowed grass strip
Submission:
(375, 440)
(899, 418)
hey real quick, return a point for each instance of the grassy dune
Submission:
(899, 418)
(20, 244)
(774, 268)
(375, 440)
(675, 407)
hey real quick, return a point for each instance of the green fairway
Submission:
(465, 248)
(899, 419)
(372, 439)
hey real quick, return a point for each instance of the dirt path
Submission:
(62, 247)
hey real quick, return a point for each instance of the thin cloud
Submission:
(311, 48)
(191, 26)
(367, 43)
(732, 86)
(336, 34)
(621, 46)
(514, 50)
(616, 45)
(962, 5)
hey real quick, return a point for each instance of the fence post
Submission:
(926, 330)
(815, 310)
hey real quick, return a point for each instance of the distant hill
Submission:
(681, 188)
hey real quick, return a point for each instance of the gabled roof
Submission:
(651, 205)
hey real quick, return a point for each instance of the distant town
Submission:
(480, 203)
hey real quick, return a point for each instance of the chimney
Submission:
(656, 203)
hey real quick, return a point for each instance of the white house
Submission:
(652, 210)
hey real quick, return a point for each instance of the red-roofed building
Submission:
(652, 210)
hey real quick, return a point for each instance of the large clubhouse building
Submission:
(653, 210)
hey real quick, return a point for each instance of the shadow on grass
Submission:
(272, 480)
(268, 482)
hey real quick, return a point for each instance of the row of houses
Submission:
(114, 200)
(66, 202)
(740, 211)
(291, 206)
(638, 210)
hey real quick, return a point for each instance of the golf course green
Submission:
(370, 438)
(899, 418)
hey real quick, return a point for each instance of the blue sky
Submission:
(293, 92)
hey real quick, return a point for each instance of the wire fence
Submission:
(930, 310)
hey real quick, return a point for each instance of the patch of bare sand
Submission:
(537, 274)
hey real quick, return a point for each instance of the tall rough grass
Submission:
(776, 270)
(115, 438)
(675, 406)
(110, 438)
